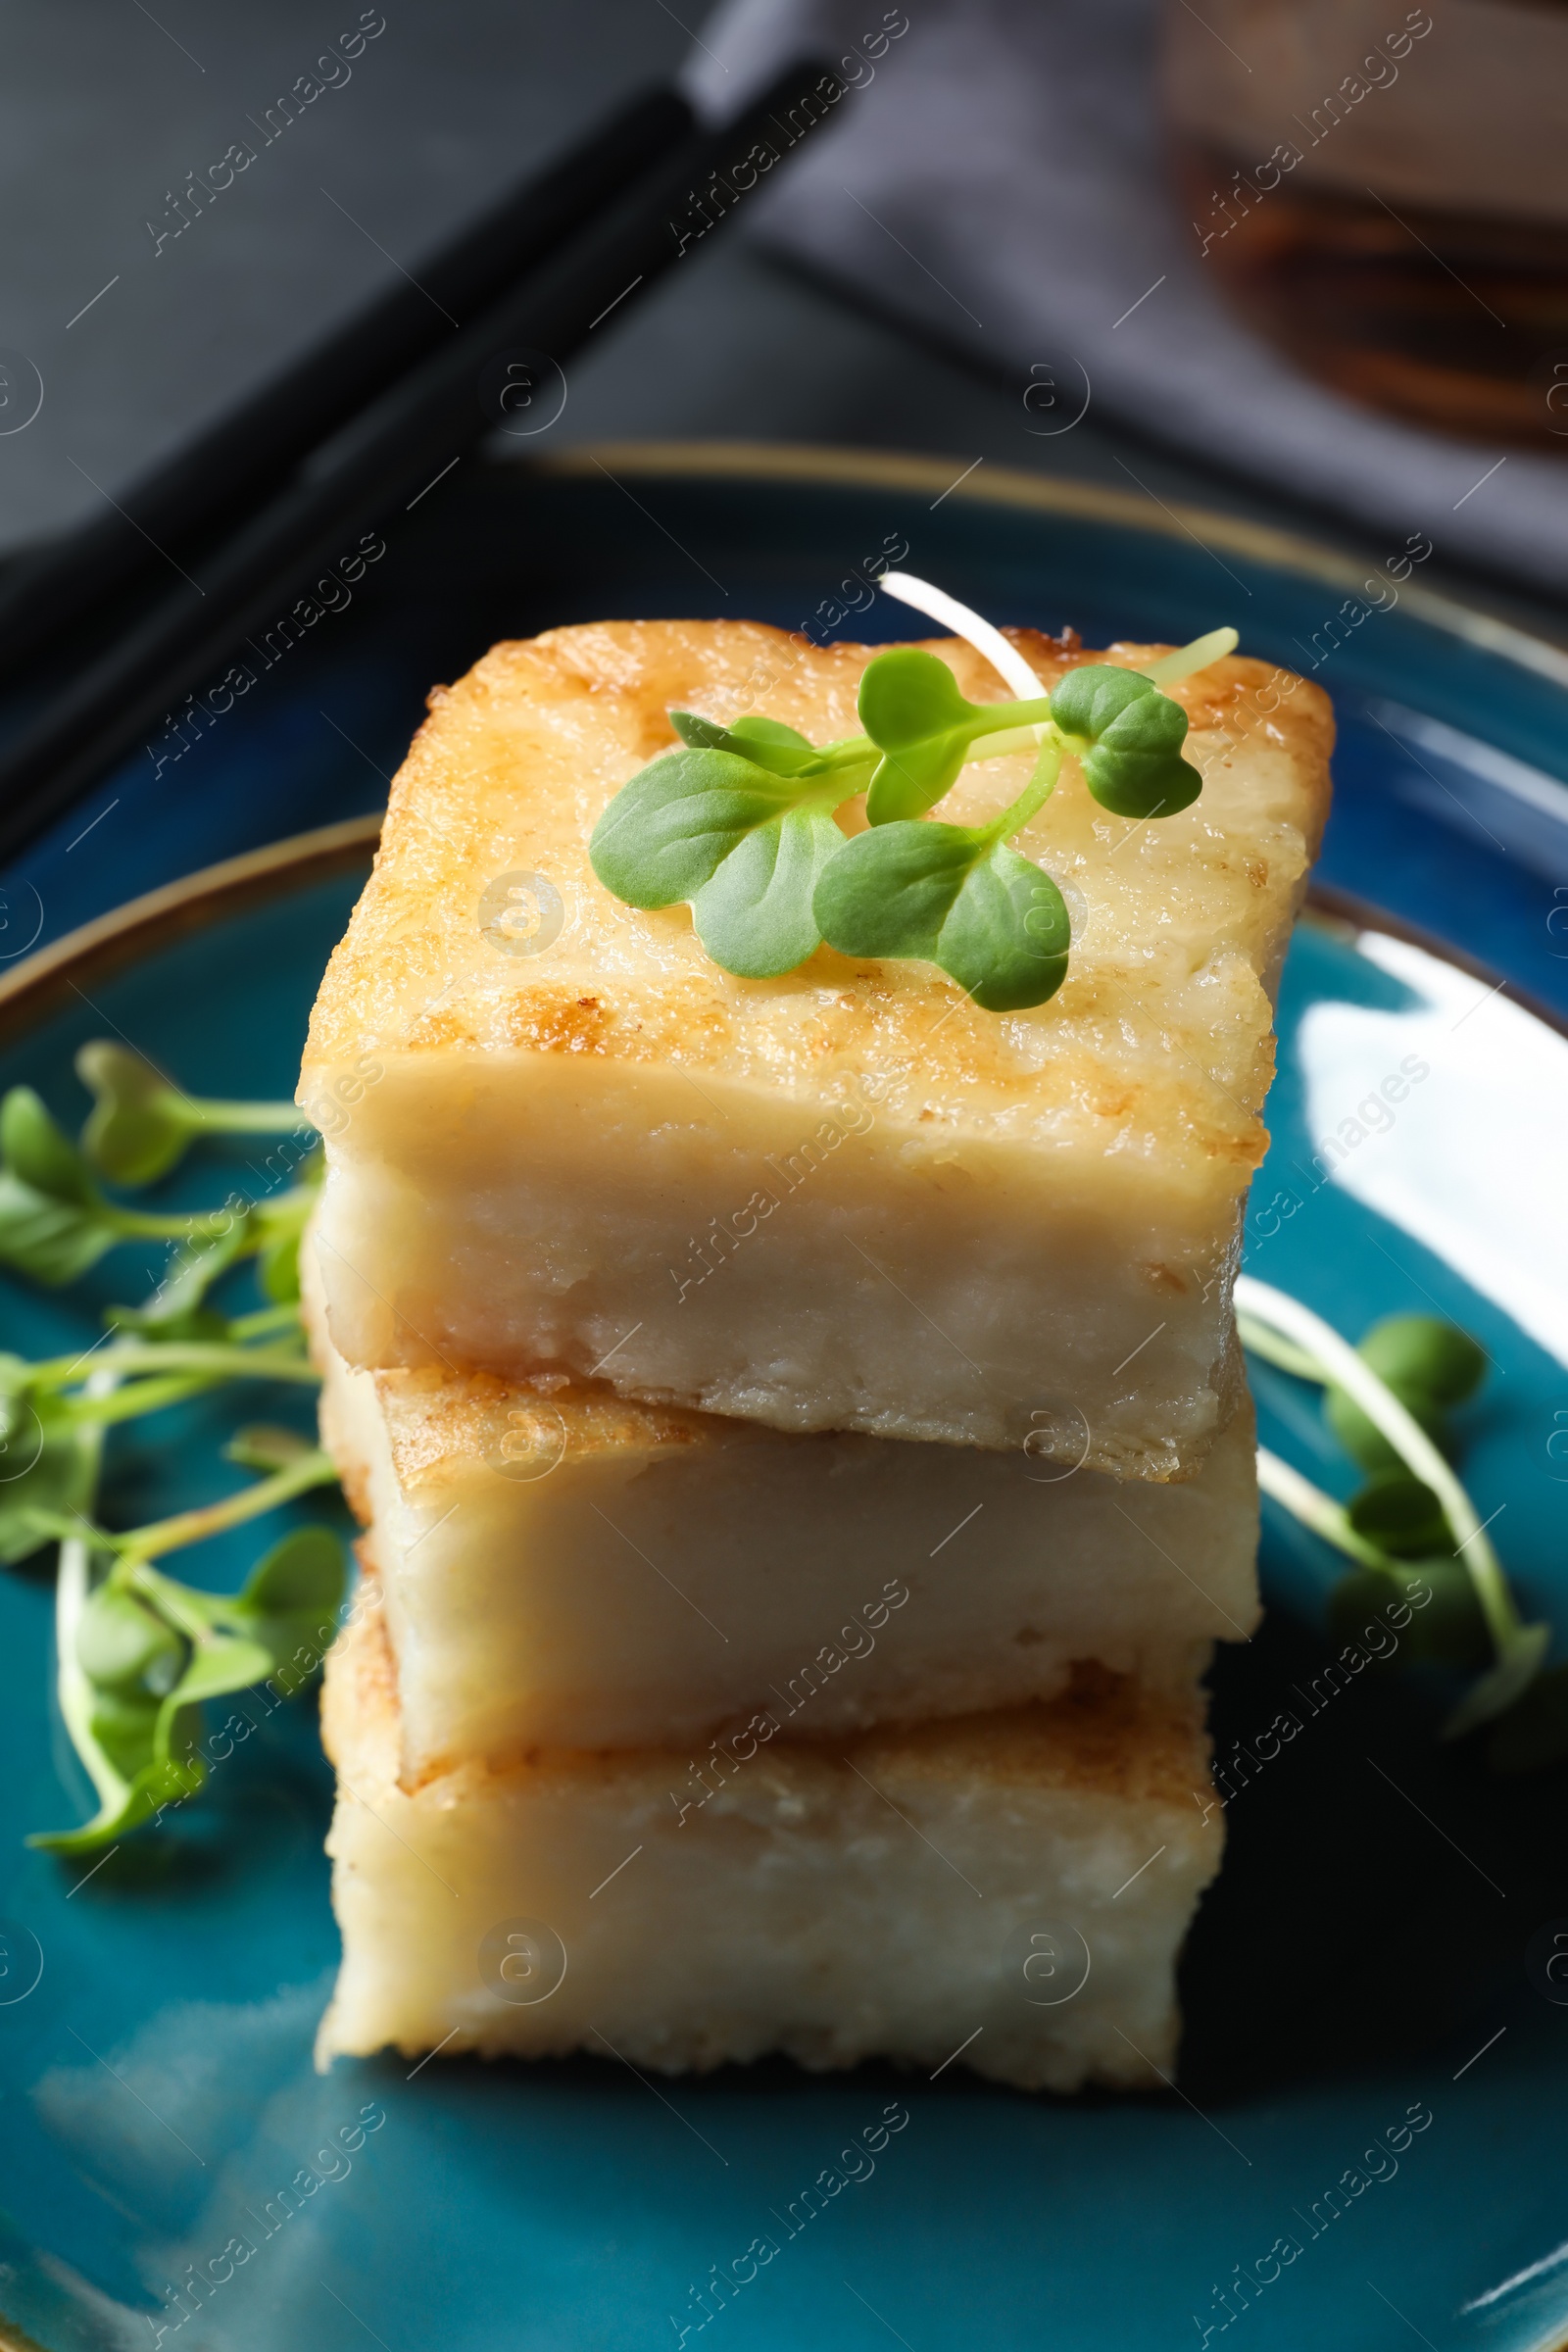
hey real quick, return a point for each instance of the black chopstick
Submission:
(402, 444)
(216, 477)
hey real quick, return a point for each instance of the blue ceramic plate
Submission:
(1374, 1947)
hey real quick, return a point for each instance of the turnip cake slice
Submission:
(568, 1568)
(562, 1138)
(1014, 1886)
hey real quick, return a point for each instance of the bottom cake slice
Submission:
(1015, 1886)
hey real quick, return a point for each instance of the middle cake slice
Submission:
(565, 1568)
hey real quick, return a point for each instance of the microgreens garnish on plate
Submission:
(138, 1651)
(55, 1218)
(1412, 1528)
(740, 822)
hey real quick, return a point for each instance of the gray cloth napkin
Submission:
(998, 175)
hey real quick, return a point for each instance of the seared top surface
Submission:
(441, 1424)
(1159, 1038)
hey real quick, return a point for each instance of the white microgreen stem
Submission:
(73, 1585)
(1273, 1349)
(1188, 660)
(1315, 1510)
(935, 603)
(1337, 1361)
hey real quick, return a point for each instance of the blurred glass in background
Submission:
(1384, 192)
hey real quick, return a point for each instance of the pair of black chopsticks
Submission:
(372, 416)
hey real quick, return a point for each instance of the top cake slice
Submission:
(560, 1136)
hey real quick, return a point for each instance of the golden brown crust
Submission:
(1105, 1736)
(438, 1422)
(1158, 1040)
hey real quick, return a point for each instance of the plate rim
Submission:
(834, 465)
(43, 983)
(96, 950)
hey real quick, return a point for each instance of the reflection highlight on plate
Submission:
(1482, 1118)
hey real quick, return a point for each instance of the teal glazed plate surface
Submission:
(1364, 2145)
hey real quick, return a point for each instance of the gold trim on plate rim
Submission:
(42, 984)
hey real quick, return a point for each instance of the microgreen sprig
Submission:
(1387, 1401)
(56, 1221)
(741, 823)
(138, 1651)
(140, 1123)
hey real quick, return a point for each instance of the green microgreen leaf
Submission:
(744, 844)
(222, 1663)
(914, 712)
(755, 917)
(158, 1783)
(912, 709)
(304, 1574)
(290, 1602)
(1285, 1332)
(39, 1156)
(1430, 1366)
(140, 1124)
(668, 831)
(48, 1466)
(137, 1127)
(124, 1729)
(1130, 737)
(137, 1650)
(1425, 1353)
(1006, 937)
(52, 1224)
(766, 743)
(1366, 1444)
(113, 1724)
(127, 1647)
(1400, 1516)
(144, 1652)
(50, 1240)
(739, 825)
(956, 896)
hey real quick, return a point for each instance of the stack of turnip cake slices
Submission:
(798, 1425)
